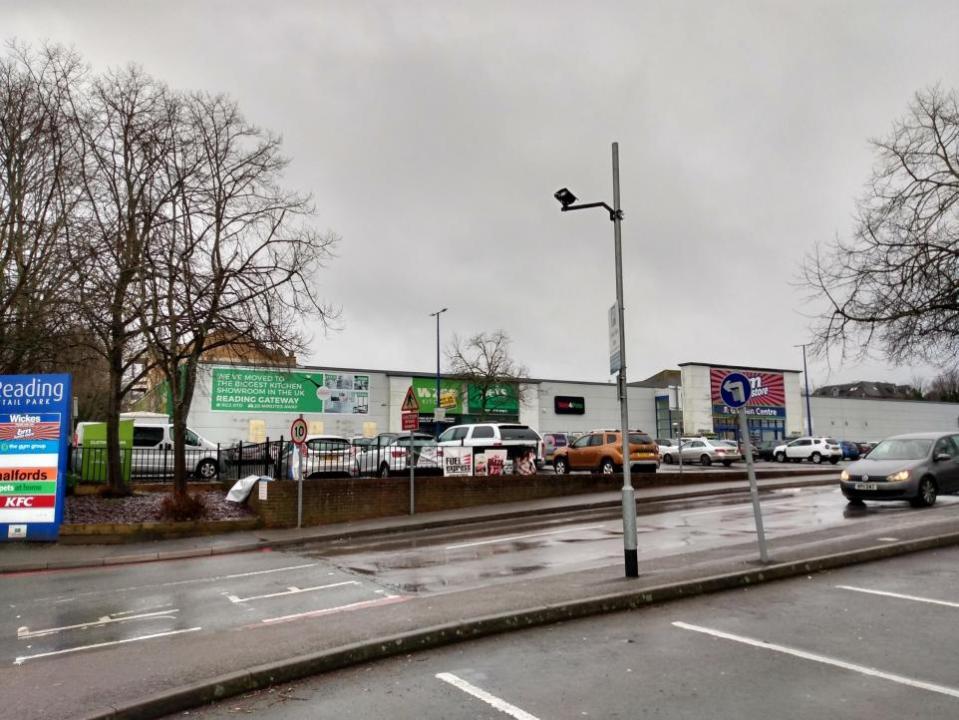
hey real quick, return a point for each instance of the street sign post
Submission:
(298, 432)
(411, 422)
(615, 348)
(735, 391)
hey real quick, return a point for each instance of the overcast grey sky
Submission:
(433, 135)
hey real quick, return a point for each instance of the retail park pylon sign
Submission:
(34, 435)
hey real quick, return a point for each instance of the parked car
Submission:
(393, 458)
(813, 449)
(706, 451)
(602, 450)
(766, 450)
(669, 454)
(512, 437)
(850, 450)
(551, 442)
(326, 455)
(915, 467)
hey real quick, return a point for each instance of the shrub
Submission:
(180, 508)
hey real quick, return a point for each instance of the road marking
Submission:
(523, 537)
(291, 591)
(25, 632)
(388, 600)
(489, 699)
(915, 598)
(23, 658)
(888, 539)
(862, 669)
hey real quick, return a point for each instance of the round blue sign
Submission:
(735, 390)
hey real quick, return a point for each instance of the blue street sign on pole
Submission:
(735, 390)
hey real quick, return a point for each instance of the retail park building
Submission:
(236, 401)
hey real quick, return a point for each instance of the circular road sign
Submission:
(735, 390)
(298, 431)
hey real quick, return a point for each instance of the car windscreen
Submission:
(911, 449)
(517, 432)
(640, 439)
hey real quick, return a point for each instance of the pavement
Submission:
(438, 620)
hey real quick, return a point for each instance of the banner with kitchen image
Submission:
(245, 390)
(34, 434)
(457, 461)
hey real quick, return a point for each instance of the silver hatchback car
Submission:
(914, 467)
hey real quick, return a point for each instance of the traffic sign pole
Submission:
(298, 432)
(753, 488)
(412, 463)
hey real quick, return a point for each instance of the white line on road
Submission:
(492, 700)
(388, 600)
(523, 537)
(25, 632)
(23, 658)
(862, 669)
(291, 591)
(915, 598)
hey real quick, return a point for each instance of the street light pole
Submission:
(568, 200)
(805, 375)
(436, 405)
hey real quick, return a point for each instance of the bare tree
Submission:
(895, 282)
(237, 262)
(485, 362)
(38, 195)
(126, 123)
(944, 387)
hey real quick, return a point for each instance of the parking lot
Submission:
(872, 641)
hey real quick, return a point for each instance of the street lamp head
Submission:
(565, 197)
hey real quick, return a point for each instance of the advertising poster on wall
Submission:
(243, 390)
(457, 461)
(767, 392)
(451, 393)
(34, 435)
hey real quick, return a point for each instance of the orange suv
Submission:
(602, 450)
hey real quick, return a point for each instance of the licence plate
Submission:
(866, 486)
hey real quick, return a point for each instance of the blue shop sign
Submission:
(751, 411)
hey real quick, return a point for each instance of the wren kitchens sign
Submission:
(297, 392)
(34, 430)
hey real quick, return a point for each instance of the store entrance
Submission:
(760, 429)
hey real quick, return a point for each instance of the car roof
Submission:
(326, 437)
(922, 435)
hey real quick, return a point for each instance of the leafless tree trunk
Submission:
(38, 195)
(485, 362)
(238, 261)
(895, 283)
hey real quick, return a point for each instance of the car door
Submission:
(692, 451)
(148, 451)
(577, 452)
(799, 448)
(947, 471)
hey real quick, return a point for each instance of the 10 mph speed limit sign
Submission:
(298, 431)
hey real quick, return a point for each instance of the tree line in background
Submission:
(141, 226)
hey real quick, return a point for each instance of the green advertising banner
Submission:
(238, 390)
(451, 393)
(93, 466)
(501, 399)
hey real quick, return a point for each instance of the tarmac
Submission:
(443, 619)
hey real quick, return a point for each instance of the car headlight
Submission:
(899, 476)
(844, 475)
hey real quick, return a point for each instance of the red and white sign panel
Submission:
(299, 430)
(411, 421)
(767, 388)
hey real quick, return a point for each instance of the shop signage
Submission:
(766, 389)
(34, 435)
(569, 405)
(451, 392)
(498, 399)
(751, 411)
(236, 390)
(457, 461)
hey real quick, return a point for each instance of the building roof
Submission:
(733, 366)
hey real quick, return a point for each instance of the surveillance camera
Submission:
(565, 197)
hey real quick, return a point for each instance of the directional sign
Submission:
(410, 403)
(735, 390)
(411, 421)
(298, 431)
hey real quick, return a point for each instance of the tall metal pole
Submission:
(436, 424)
(753, 488)
(629, 495)
(805, 375)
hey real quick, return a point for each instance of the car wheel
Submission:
(816, 458)
(560, 466)
(833, 460)
(927, 493)
(607, 467)
(384, 470)
(668, 459)
(705, 460)
(727, 463)
(207, 470)
(780, 457)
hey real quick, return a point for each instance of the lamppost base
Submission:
(632, 563)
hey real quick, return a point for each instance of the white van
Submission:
(153, 450)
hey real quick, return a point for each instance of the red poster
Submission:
(767, 389)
